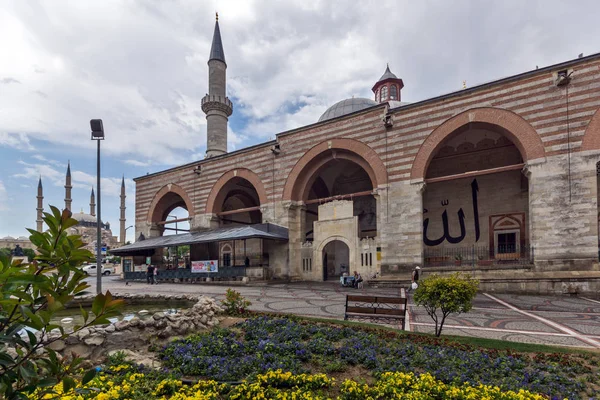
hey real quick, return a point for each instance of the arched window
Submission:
(384, 93)
(226, 255)
(393, 92)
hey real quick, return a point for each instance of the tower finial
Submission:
(217, 16)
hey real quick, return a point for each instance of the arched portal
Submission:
(341, 178)
(336, 259)
(235, 200)
(476, 199)
(513, 127)
(169, 201)
(303, 173)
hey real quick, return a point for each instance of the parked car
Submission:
(92, 270)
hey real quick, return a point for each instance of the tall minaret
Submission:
(122, 218)
(92, 204)
(40, 207)
(215, 104)
(68, 188)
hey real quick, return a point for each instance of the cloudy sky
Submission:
(140, 65)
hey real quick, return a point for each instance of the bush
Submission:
(31, 294)
(446, 295)
(235, 303)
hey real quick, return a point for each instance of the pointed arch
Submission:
(302, 174)
(166, 199)
(519, 131)
(217, 196)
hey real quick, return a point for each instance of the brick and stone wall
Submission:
(530, 110)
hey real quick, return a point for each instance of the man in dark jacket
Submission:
(150, 274)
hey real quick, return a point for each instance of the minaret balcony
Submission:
(216, 102)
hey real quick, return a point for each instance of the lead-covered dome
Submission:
(82, 217)
(347, 106)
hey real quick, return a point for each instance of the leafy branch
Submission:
(31, 295)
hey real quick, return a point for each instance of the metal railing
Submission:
(185, 273)
(474, 256)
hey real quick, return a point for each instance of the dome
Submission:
(347, 106)
(84, 217)
(8, 238)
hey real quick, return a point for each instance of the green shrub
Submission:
(235, 303)
(444, 295)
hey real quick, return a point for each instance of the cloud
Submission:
(110, 186)
(53, 162)
(3, 197)
(7, 81)
(145, 72)
(137, 163)
(18, 141)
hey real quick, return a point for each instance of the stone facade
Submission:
(553, 183)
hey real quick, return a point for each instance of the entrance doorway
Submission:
(336, 259)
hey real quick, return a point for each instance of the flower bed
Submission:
(261, 344)
(125, 382)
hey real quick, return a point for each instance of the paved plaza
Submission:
(564, 321)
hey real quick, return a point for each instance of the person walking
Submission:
(150, 274)
(414, 280)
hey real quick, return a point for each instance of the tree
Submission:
(446, 295)
(30, 296)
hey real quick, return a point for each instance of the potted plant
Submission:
(458, 260)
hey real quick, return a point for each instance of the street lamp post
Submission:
(98, 135)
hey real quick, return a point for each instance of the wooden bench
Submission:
(389, 309)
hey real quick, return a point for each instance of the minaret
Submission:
(215, 104)
(92, 204)
(68, 188)
(122, 218)
(40, 207)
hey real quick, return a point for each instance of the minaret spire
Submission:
(40, 206)
(92, 204)
(215, 104)
(68, 188)
(122, 218)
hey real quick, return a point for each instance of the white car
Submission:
(92, 270)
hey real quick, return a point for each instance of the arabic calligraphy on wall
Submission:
(446, 236)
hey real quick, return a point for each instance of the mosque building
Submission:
(499, 180)
(87, 223)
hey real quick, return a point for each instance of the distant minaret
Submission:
(122, 219)
(40, 207)
(215, 104)
(92, 204)
(68, 188)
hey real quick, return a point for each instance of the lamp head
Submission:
(97, 129)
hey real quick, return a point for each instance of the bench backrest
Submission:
(381, 305)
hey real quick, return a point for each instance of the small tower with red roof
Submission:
(388, 87)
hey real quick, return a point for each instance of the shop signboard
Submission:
(205, 266)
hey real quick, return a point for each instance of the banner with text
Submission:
(205, 266)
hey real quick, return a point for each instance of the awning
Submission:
(256, 231)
